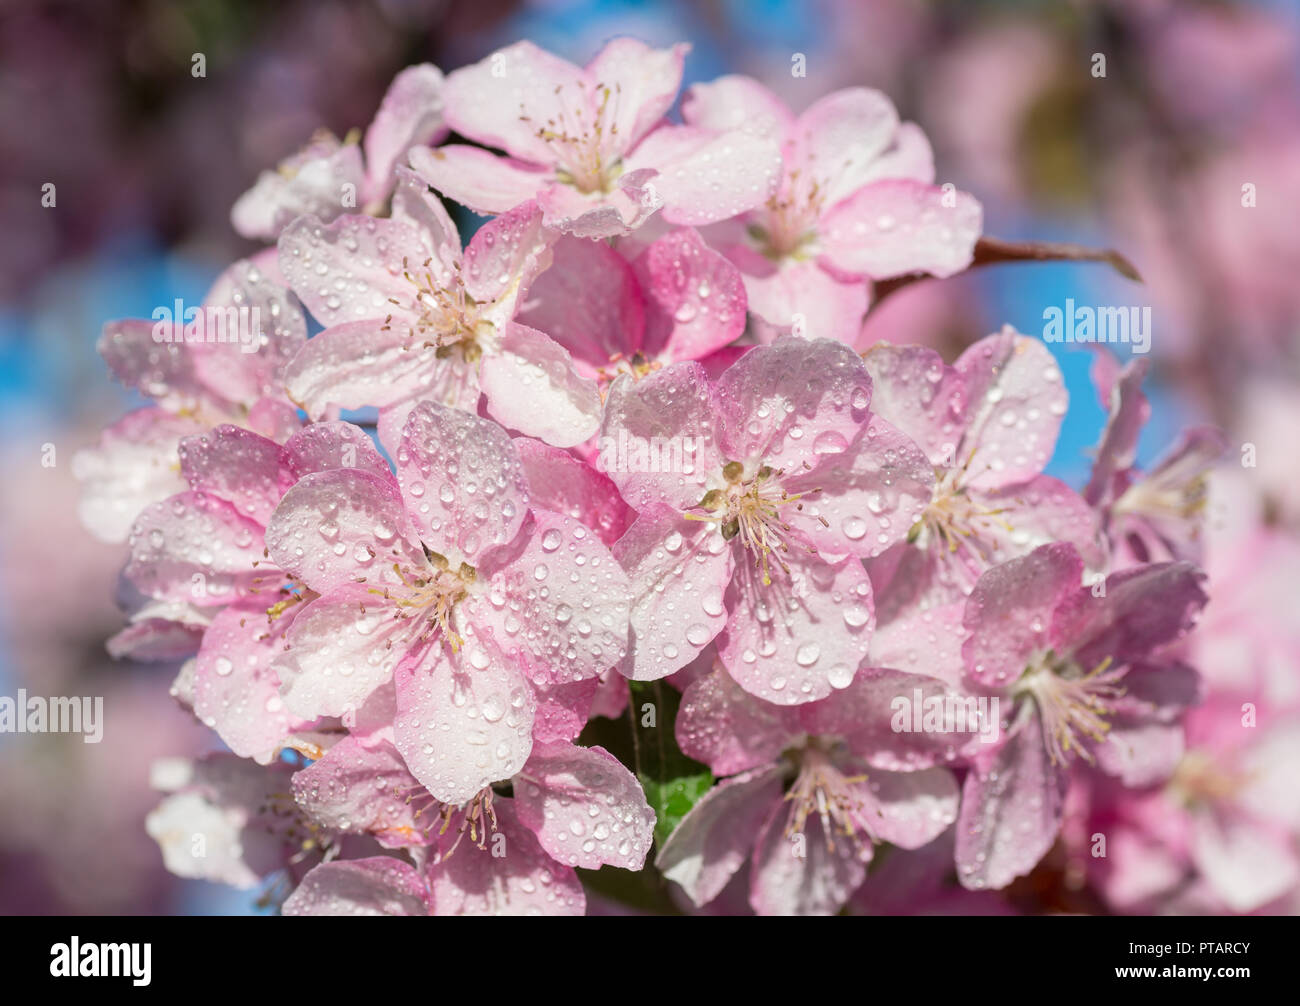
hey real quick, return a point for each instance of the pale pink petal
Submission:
(1143, 609)
(716, 836)
(839, 138)
(784, 403)
(321, 447)
(409, 115)
(909, 155)
(416, 206)
(1015, 402)
(512, 875)
(704, 176)
(380, 885)
(1246, 864)
(1035, 512)
(678, 571)
(134, 464)
(669, 414)
(898, 226)
(339, 649)
(197, 547)
(926, 642)
(799, 874)
(800, 297)
(366, 789)
(879, 716)
(862, 493)
(1128, 411)
(476, 178)
(555, 603)
(238, 466)
(644, 82)
(800, 637)
(366, 363)
(919, 394)
(336, 527)
(1140, 754)
(532, 386)
(736, 102)
(722, 725)
(507, 99)
(907, 809)
(318, 182)
(601, 215)
(563, 710)
(464, 721)
(586, 809)
(257, 327)
(153, 358)
(236, 689)
(462, 479)
(504, 256)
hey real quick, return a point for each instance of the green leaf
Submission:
(672, 800)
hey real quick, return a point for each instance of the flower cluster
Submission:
(618, 456)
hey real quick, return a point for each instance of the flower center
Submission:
(475, 818)
(750, 510)
(430, 595)
(820, 789)
(790, 225)
(956, 530)
(583, 137)
(1177, 500)
(1200, 778)
(1073, 705)
(447, 317)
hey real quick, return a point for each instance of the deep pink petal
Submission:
(695, 298)
(1011, 810)
(559, 482)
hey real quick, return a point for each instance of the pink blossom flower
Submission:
(572, 807)
(197, 382)
(243, 815)
(856, 202)
(443, 579)
(411, 318)
(988, 425)
(786, 480)
(590, 144)
(678, 299)
(1079, 670)
(1147, 516)
(1222, 830)
(810, 844)
(326, 177)
(201, 554)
